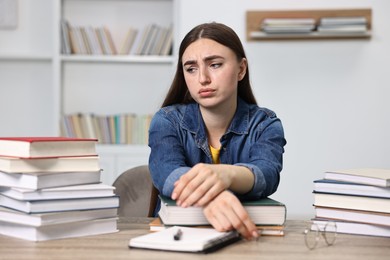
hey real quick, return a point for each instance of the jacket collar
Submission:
(193, 121)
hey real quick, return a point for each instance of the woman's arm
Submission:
(167, 158)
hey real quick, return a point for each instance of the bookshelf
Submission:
(42, 84)
(254, 20)
(115, 84)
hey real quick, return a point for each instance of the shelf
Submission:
(25, 57)
(118, 59)
(255, 18)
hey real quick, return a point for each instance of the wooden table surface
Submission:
(115, 246)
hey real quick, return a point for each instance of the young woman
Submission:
(211, 145)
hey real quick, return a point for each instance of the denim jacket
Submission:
(254, 139)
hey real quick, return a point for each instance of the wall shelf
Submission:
(118, 58)
(254, 20)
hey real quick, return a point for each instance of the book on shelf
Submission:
(288, 25)
(195, 240)
(356, 228)
(41, 180)
(65, 40)
(86, 40)
(376, 204)
(264, 211)
(62, 192)
(55, 205)
(32, 147)
(53, 218)
(166, 48)
(342, 25)
(350, 188)
(153, 40)
(342, 29)
(58, 231)
(92, 41)
(125, 128)
(110, 41)
(361, 216)
(343, 20)
(369, 176)
(59, 164)
(272, 230)
(129, 41)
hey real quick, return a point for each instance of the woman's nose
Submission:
(204, 77)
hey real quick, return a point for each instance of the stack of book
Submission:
(358, 200)
(343, 25)
(50, 188)
(268, 214)
(288, 25)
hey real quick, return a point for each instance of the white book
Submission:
(369, 176)
(41, 180)
(38, 147)
(342, 29)
(65, 230)
(288, 21)
(343, 20)
(357, 228)
(60, 164)
(67, 192)
(368, 217)
(352, 202)
(46, 206)
(44, 219)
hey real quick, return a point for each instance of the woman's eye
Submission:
(190, 69)
(216, 65)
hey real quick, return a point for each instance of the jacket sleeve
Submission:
(266, 158)
(166, 161)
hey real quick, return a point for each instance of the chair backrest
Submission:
(137, 195)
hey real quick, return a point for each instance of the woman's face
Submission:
(212, 71)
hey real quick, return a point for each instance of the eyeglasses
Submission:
(313, 232)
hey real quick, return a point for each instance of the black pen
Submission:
(178, 234)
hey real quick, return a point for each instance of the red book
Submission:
(36, 147)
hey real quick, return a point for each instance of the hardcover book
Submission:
(262, 212)
(62, 192)
(362, 216)
(52, 218)
(352, 202)
(33, 147)
(46, 206)
(57, 231)
(369, 176)
(40, 180)
(60, 164)
(357, 228)
(350, 188)
(264, 230)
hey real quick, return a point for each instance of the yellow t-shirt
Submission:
(215, 154)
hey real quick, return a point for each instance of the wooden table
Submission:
(115, 246)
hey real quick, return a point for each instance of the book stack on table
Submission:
(268, 214)
(358, 200)
(50, 189)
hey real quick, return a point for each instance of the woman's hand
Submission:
(226, 212)
(200, 185)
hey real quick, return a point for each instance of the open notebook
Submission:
(202, 240)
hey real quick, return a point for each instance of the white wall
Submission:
(331, 95)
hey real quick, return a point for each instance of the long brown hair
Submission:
(178, 92)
